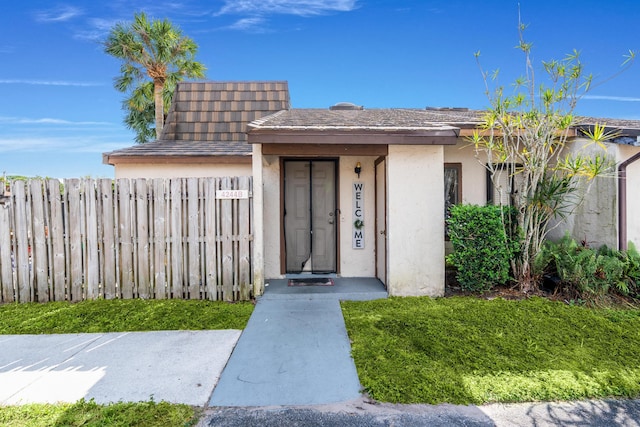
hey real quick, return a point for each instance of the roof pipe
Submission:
(622, 201)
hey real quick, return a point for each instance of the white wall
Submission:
(357, 262)
(181, 170)
(474, 174)
(271, 209)
(633, 195)
(415, 220)
(258, 221)
(595, 219)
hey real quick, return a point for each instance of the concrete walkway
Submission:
(295, 349)
(175, 366)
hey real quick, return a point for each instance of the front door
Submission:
(310, 216)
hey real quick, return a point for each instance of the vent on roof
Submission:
(446, 109)
(346, 106)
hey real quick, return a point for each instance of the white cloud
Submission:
(287, 7)
(48, 121)
(48, 82)
(247, 24)
(58, 14)
(611, 98)
(72, 144)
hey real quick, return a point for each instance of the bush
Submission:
(589, 272)
(481, 249)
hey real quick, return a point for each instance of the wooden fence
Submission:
(84, 239)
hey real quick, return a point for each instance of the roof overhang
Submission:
(445, 135)
(114, 160)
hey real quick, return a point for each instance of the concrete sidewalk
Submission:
(174, 366)
(292, 352)
(295, 349)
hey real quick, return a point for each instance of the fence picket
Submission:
(177, 253)
(21, 243)
(56, 236)
(142, 239)
(227, 242)
(39, 255)
(108, 252)
(244, 232)
(6, 260)
(193, 264)
(210, 252)
(159, 236)
(127, 283)
(92, 270)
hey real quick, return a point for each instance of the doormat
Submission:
(312, 281)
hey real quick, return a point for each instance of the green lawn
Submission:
(122, 316)
(83, 413)
(472, 351)
(113, 316)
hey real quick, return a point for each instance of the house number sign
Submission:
(232, 194)
(358, 215)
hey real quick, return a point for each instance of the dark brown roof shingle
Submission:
(210, 119)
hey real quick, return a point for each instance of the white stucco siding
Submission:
(633, 195)
(181, 170)
(357, 262)
(594, 219)
(258, 221)
(474, 174)
(415, 220)
(271, 210)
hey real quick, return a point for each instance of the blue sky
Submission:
(59, 111)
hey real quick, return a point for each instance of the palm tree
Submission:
(155, 49)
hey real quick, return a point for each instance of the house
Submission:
(361, 192)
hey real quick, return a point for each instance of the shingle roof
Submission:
(210, 119)
(395, 119)
(220, 111)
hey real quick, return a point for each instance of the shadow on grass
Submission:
(470, 351)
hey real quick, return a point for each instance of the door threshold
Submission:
(309, 275)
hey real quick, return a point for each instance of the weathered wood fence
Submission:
(84, 239)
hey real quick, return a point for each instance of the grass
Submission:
(89, 413)
(113, 316)
(472, 351)
(122, 316)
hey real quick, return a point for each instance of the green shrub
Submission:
(481, 249)
(591, 272)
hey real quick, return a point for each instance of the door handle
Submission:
(331, 221)
(383, 232)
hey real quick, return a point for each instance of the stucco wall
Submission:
(474, 175)
(271, 209)
(415, 220)
(595, 217)
(633, 195)
(195, 170)
(357, 262)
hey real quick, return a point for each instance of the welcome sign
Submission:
(358, 215)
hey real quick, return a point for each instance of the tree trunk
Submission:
(157, 94)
